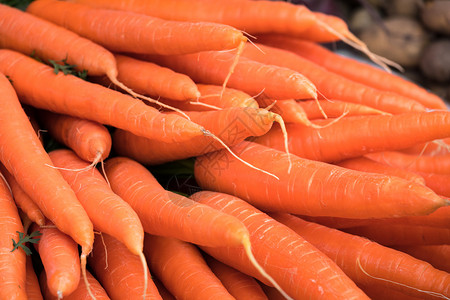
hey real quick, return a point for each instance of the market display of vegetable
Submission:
(205, 149)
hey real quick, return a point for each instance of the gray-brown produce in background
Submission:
(435, 61)
(436, 16)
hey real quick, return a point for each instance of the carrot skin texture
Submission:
(353, 69)
(89, 140)
(354, 254)
(158, 208)
(281, 252)
(336, 108)
(288, 109)
(32, 285)
(436, 255)
(231, 125)
(315, 188)
(107, 211)
(44, 184)
(437, 182)
(375, 133)
(12, 264)
(182, 269)
(119, 271)
(73, 96)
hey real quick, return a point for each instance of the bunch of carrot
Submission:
(347, 200)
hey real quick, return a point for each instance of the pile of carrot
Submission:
(309, 175)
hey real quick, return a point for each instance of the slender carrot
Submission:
(364, 261)
(37, 178)
(72, 96)
(331, 85)
(119, 271)
(238, 284)
(437, 182)
(289, 110)
(59, 256)
(314, 188)
(121, 31)
(354, 69)
(438, 147)
(375, 133)
(90, 140)
(436, 255)
(80, 293)
(231, 125)
(292, 261)
(12, 263)
(182, 269)
(211, 67)
(32, 283)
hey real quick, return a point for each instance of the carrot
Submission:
(375, 133)
(292, 261)
(363, 260)
(37, 178)
(119, 271)
(438, 147)
(336, 108)
(239, 285)
(436, 255)
(289, 110)
(32, 283)
(330, 85)
(437, 182)
(232, 125)
(354, 69)
(80, 293)
(381, 293)
(367, 165)
(73, 96)
(315, 188)
(165, 294)
(59, 256)
(251, 77)
(91, 141)
(22, 200)
(182, 269)
(12, 263)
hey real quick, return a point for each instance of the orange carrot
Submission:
(292, 261)
(238, 284)
(59, 256)
(363, 260)
(119, 271)
(315, 188)
(89, 140)
(122, 31)
(232, 125)
(32, 285)
(12, 263)
(211, 67)
(289, 110)
(353, 69)
(436, 255)
(165, 294)
(73, 96)
(331, 85)
(375, 133)
(182, 269)
(436, 148)
(37, 178)
(382, 293)
(437, 182)
(80, 293)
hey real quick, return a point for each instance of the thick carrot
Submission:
(80, 293)
(436, 255)
(163, 291)
(59, 256)
(32, 283)
(121, 31)
(330, 85)
(12, 263)
(90, 140)
(119, 271)
(315, 188)
(354, 69)
(375, 133)
(231, 125)
(72, 96)
(370, 263)
(37, 178)
(181, 268)
(301, 270)
(239, 285)
(252, 77)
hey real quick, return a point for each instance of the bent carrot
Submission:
(72, 96)
(121, 31)
(354, 69)
(182, 269)
(32, 283)
(362, 260)
(315, 188)
(91, 141)
(292, 261)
